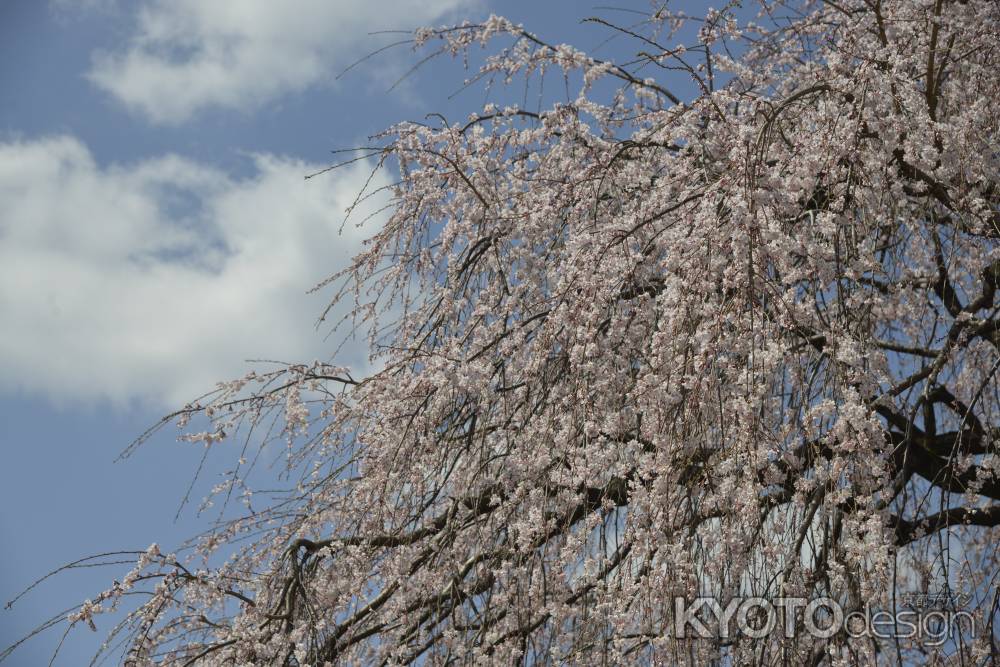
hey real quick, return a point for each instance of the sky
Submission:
(157, 231)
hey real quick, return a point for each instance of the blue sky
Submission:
(156, 231)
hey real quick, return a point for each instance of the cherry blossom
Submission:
(632, 347)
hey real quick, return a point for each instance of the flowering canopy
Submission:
(633, 348)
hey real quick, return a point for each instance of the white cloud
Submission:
(187, 55)
(154, 280)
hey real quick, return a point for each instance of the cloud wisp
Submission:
(155, 280)
(190, 55)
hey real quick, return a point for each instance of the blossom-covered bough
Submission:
(634, 349)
